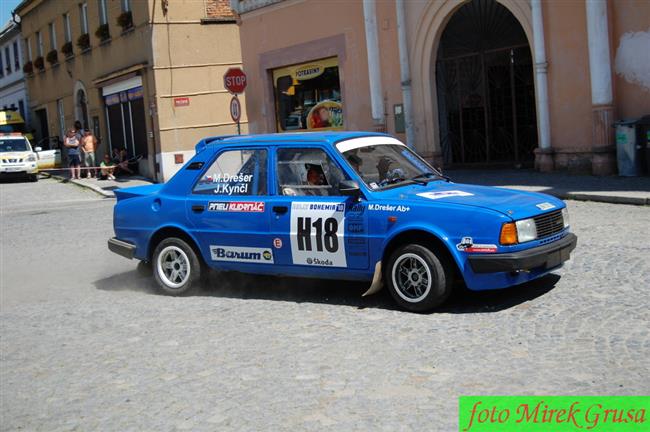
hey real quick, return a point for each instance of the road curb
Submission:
(94, 188)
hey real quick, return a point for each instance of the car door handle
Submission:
(280, 209)
(198, 208)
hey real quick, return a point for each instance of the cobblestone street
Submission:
(87, 343)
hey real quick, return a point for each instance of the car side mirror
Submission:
(37, 149)
(349, 188)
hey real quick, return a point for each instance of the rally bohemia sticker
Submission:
(317, 234)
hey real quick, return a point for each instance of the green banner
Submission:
(553, 413)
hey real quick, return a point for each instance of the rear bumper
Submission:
(120, 247)
(546, 257)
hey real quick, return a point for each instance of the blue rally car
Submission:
(345, 205)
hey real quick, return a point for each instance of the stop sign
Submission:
(234, 80)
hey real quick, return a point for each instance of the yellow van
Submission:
(12, 122)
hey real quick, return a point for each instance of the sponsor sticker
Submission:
(467, 245)
(277, 243)
(241, 254)
(444, 194)
(545, 206)
(236, 206)
(389, 208)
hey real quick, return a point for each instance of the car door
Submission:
(228, 211)
(312, 224)
(48, 153)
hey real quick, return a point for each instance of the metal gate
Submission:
(486, 97)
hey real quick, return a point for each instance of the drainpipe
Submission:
(374, 71)
(405, 73)
(544, 153)
(600, 72)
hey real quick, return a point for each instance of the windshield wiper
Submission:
(425, 178)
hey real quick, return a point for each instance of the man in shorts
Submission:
(72, 144)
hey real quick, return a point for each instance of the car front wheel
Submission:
(177, 268)
(417, 279)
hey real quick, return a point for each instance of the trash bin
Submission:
(632, 146)
(643, 142)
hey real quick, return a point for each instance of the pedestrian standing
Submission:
(88, 146)
(72, 144)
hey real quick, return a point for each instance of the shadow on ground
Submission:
(347, 293)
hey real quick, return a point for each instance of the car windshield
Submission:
(13, 128)
(14, 145)
(386, 165)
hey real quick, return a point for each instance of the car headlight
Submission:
(31, 158)
(526, 230)
(565, 217)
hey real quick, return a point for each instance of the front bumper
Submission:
(545, 257)
(17, 169)
(120, 247)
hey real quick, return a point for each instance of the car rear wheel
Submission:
(177, 268)
(417, 279)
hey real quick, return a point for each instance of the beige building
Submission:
(466, 82)
(145, 75)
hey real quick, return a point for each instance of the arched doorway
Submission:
(81, 104)
(485, 88)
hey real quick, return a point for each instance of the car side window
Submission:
(238, 172)
(307, 172)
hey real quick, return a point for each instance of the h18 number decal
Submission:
(325, 230)
(317, 234)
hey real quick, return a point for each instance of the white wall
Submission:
(12, 83)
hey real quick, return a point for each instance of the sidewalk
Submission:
(613, 189)
(103, 187)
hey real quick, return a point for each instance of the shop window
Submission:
(235, 173)
(308, 96)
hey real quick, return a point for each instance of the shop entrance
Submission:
(485, 87)
(125, 115)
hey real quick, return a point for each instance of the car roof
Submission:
(284, 139)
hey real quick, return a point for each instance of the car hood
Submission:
(513, 203)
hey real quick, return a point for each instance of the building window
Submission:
(67, 30)
(308, 96)
(39, 44)
(2, 69)
(103, 13)
(126, 5)
(21, 108)
(8, 59)
(83, 16)
(52, 30)
(16, 56)
(28, 48)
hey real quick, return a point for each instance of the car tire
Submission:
(33, 178)
(417, 279)
(176, 267)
